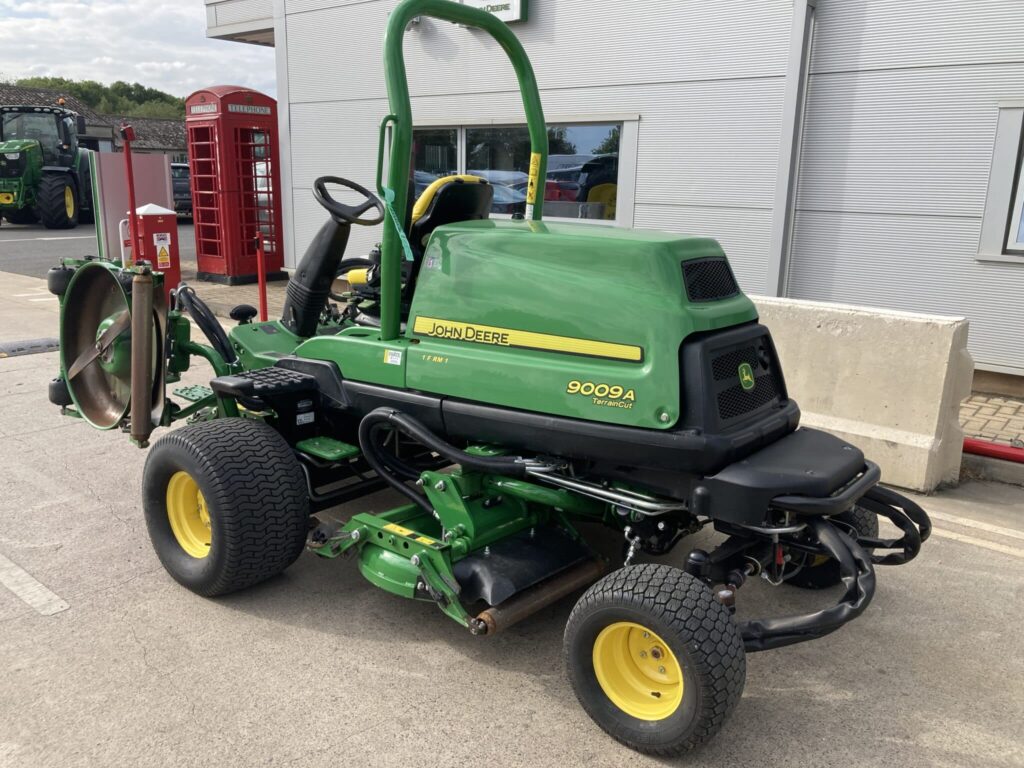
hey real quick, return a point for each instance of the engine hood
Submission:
(16, 146)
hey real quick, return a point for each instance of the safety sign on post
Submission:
(162, 246)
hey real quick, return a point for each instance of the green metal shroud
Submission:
(577, 282)
(405, 547)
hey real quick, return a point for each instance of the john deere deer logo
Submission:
(746, 376)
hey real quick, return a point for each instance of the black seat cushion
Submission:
(456, 201)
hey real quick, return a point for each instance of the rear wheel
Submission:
(654, 659)
(226, 504)
(57, 201)
(821, 572)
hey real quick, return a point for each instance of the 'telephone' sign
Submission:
(506, 10)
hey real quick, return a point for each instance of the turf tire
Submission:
(701, 633)
(50, 201)
(826, 574)
(256, 495)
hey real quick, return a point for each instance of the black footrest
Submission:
(264, 383)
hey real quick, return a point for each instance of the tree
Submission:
(610, 145)
(121, 99)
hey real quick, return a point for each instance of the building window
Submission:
(1002, 225)
(583, 166)
(1015, 227)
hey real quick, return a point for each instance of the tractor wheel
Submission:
(57, 201)
(654, 659)
(226, 504)
(21, 216)
(822, 572)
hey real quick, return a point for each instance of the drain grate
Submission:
(28, 347)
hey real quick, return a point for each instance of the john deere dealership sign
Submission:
(506, 10)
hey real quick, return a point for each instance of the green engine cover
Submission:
(569, 319)
(21, 163)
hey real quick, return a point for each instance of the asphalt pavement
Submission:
(31, 250)
(108, 662)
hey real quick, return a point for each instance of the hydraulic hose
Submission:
(197, 309)
(396, 473)
(858, 576)
(502, 465)
(905, 515)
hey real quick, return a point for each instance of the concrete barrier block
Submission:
(889, 382)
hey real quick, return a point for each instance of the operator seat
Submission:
(445, 201)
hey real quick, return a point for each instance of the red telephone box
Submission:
(236, 183)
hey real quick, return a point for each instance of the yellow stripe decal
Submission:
(509, 337)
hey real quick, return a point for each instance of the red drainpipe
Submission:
(993, 450)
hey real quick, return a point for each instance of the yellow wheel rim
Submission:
(188, 515)
(638, 671)
(69, 202)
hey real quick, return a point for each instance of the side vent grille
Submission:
(709, 280)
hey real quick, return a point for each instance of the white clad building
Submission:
(859, 151)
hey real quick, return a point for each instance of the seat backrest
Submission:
(448, 200)
(606, 194)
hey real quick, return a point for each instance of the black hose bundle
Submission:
(858, 577)
(396, 472)
(186, 299)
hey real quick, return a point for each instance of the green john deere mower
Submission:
(477, 368)
(44, 174)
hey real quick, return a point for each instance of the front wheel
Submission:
(654, 659)
(226, 504)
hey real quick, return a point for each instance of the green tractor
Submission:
(44, 174)
(477, 369)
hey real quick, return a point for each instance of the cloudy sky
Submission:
(159, 44)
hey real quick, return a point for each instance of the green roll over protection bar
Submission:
(401, 143)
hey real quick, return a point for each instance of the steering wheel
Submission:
(347, 214)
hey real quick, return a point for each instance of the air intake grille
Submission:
(751, 362)
(735, 401)
(727, 366)
(12, 167)
(709, 280)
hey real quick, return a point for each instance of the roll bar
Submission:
(401, 143)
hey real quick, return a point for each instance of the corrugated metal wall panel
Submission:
(704, 151)
(883, 34)
(682, 40)
(913, 141)
(900, 122)
(304, 6)
(743, 234)
(913, 263)
(241, 11)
